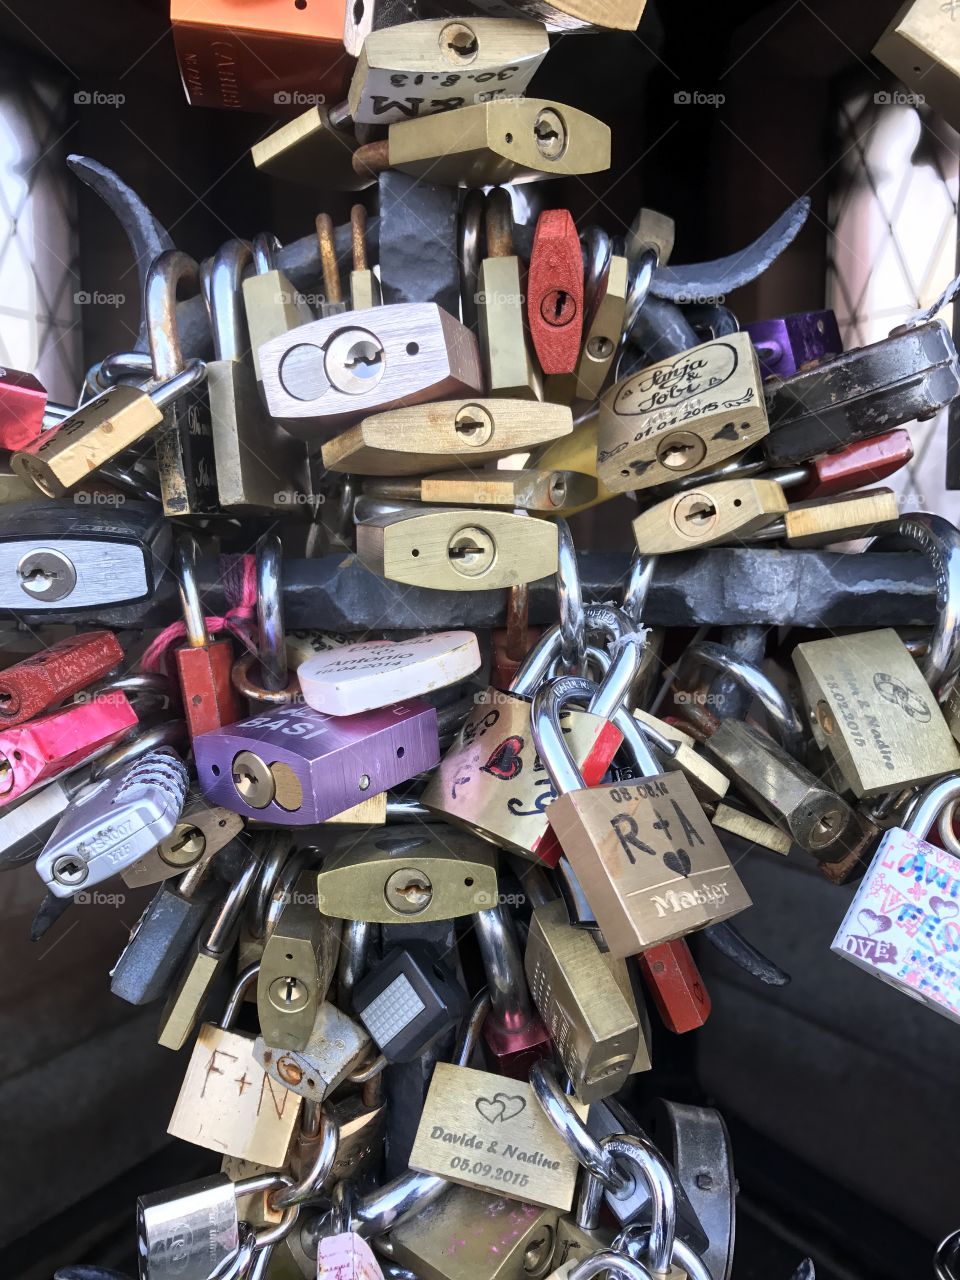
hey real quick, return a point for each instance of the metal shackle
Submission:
(548, 702)
(784, 717)
(225, 300)
(642, 1155)
(619, 678)
(597, 251)
(939, 540)
(610, 1263)
(272, 646)
(557, 1107)
(186, 554)
(170, 273)
(264, 249)
(924, 809)
(313, 1178)
(469, 232)
(573, 627)
(510, 1004)
(638, 584)
(635, 1240)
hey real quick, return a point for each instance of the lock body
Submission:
(601, 338)
(335, 1046)
(675, 985)
(408, 1000)
(872, 710)
(492, 781)
(209, 698)
(147, 967)
(333, 371)
(709, 784)
(182, 1238)
(296, 969)
(310, 151)
(294, 766)
(921, 48)
(555, 292)
(821, 521)
(710, 514)
(445, 436)
(199, 835)
(785, 345)
(681, 415)
(23, 399)
(31, 686)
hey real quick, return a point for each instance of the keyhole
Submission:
(558, 308)
(288, 994)
(473, 424)
(363, 359)
(700, 513)
(550, 134)
(676, 456)
(459, 42)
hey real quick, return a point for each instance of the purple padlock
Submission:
(293, 766)
(785, 345)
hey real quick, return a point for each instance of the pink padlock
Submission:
(22, 402)
(52, 744)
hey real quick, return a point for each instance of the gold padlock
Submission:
(445, 435)
(751, 828)
(681, 415)
(821, 521)
(600, 341)
(922, 48)
(271, 303)
(552, 492)
(576, 451)
(504, 342)
(312, 150)
(725, 511)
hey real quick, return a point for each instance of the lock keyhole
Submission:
(695, 514)
(459, 43)
(408, 890)
(363, 358)
(473, 424)
(288, 994)
(471, 551)
(681, 451)
(550, 134)
(70, 870)
(253, 779)
(558, 308)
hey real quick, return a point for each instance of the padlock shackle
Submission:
(498, 223)
(939, 540)
(639, 281)
(597, 249)
(611, 1263)
(240, 988)
(275, 848)
(189, 378)
(635, 736)
(637, 587)
(922, 812)
(469, 1036)
(545, 1082)
(636, 1237)
(573, 627)
(355, 943)
(469, 235)
(221, 931)
(538, 664)
(272, 646)
(390, 1205)
(264, 249)
(783, 716)
(316, 1174)
(227, 316)
(121, 364)
(548, 702)
(186, 554)
(621, 675)
(510, 1004)
(170, 273)
(169, 734)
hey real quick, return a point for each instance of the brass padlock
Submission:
(227, 1103)
(752, 829)
(653, 863)
(271, 303)
(872, 710)
(821, 521)
(407, 874)
(726, 511)
(339, 369)
(297, 967)
(418, 68)
(708, 782)
(314, 149)
(492, 143)
(600, 341)
(922, 48)
(444, 436)
(202, 831)
(595, 1030)
(504, 338)
(551, 492)
(576, 451)
(681, 415)
(496, 1239)
(457, 550)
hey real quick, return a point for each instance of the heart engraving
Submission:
(513, 1104)
(502, 1106)
(945, 909)
(872, 923)
(505, 761)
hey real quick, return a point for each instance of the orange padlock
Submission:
(203, 665)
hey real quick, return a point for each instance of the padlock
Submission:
(207, 956)
(921, 49)
(594, 1030)
(32, 686)
(861, 462)
(822, 521)
(59, 459)
(901, 924)
(681, 415)
(675, 985)
(201, 832)
(161, 938)
(297, 967)
(258, 465)
(368, 674)
(753, 830)
(497, 1238)
(23, 400)
(203, 665)
(409, 999)
(872, 711)
(504, 345)
(271, 303)
(624, 974)
(710, 514)
(508, 1145)
(576, 452)
(451, 549)
(237, 59)
(58, 742)
(436, 64)
(786, 345)
(332, 372)
(548, 492)
(182, 1235)
(313, 149)
(863, 392)
(601, 833)
(408, 873)
(346, 1256)
(360, 1119)
(492, 143)
(293, 766)
(184, 444)
(227, 1102)
(445, 436)
(601, 337)
(114, 823)
(555, 292)
(335, 1047)
(513, 1034)
(709, 783)
(364, 285)
(55, 556)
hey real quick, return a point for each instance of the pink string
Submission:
(239, 577)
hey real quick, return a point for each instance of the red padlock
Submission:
(203, 665)
(44, 679)
(862, 463)
(22, 402)
(52, 744)
(555, 292)
(675, 985)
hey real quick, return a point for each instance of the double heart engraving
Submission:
(502, 1106)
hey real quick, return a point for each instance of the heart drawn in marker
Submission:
(677, 860)
(944, 909)
(873, 923)
(505, 761)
